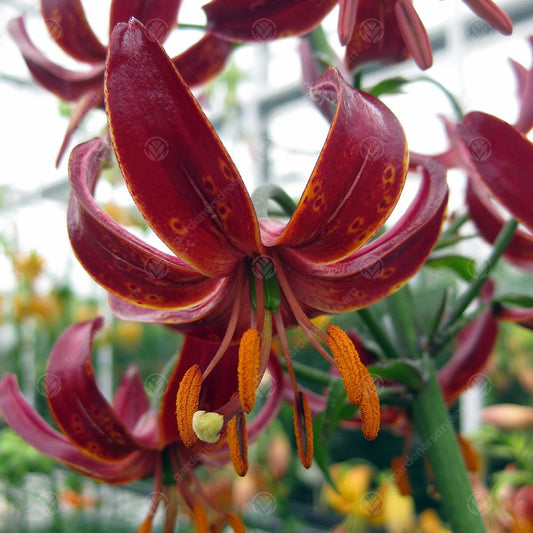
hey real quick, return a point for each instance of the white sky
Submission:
(31, 129)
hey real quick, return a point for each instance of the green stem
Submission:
(264, 193)
(451, 98)
(402, 315)
(439, 444)
(379, 335)
(473, 290)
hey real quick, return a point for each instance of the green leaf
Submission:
(404, 371)
(517, 300)
(388, 86)
(465, 267)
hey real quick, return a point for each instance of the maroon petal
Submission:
(414, 34)
(66, 84)
(249, 21)
(524, 79)
(490, 12)
(473, 348)
(117, 260)
(68, 26)
(94, 98)
(203, 60)
(197, 205)
(357, 179)
(130, 401)
(376, 35)
(502, 159)
(159, 16)
(381, 267)
(522, 316)
(489, 223)
(76, 403)
(24, 421)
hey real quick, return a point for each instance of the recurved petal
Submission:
(25, 421)
(501, 157)
(380, 267)
(524, 78)
(489, 223)
(159, 16)
(522, 316)
(130, 401)
(356, 181)
(203, 60)
(490, 12)
(473, 348)
(68, 26)
(414, 34)
(120, 262)
(76, 403)
(66, 84)
(177, 170)
(266, 20)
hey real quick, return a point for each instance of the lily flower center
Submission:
(270, 293)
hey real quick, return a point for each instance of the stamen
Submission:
(146, 526)
(201, 523)
(348, 362)
(236, 523)
(187, 401)
(399, 472)
(370, 410)
(238, 443)
(303, 429)
(248, 370)
(207, 426)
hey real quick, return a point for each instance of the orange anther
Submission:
(370, 409)
(248, 370)
(399, 472)
(238, 443)
(303, 429)
(201, 523)
(348, 362)
(236, 523)
(187, 401)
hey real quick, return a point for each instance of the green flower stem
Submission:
(401, 312)
(379, 335)
(264, 193)
(439, 444)
(473, 290)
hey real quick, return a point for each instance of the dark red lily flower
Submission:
(127, 440)
(524, 82)
(372, 30)
(68, 27)
(233, 275)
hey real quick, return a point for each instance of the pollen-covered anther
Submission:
(236, 523)
(248, 369)
(348, 362)
(303, 429)
(207, 426)
(238, 443)
(187, 400)
(370, 408)
(201, 522)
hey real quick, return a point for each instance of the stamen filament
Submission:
(238, 443)
(286, 351)
(232, 324)
(187, 400)
(236, 523)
